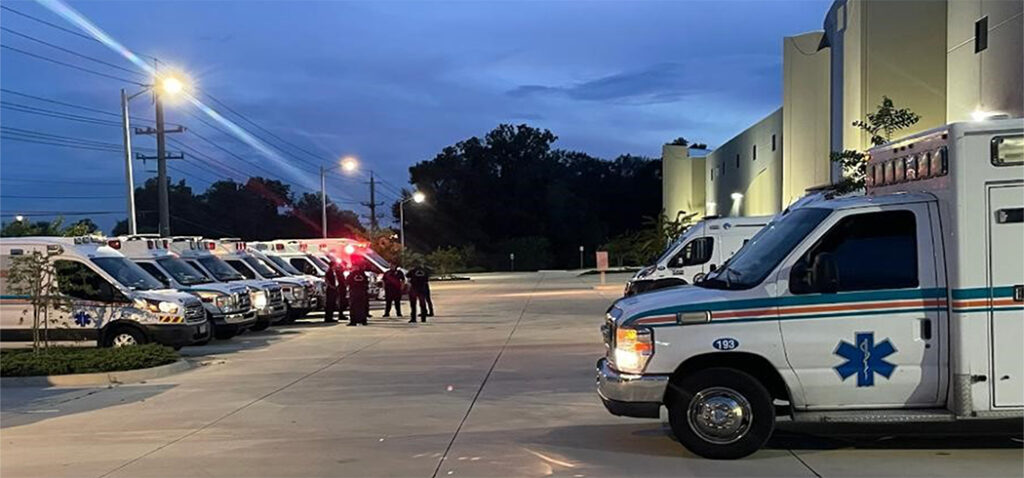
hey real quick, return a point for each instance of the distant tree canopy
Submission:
(511, 192)
(681, 141)
(48, 228)
(260, 209)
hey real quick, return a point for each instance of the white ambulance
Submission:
(296, 291)
(314, 287)
(266, 295)
(903, 305)
(351, 252)
(110, 299)
(296, 252)
(696, 252)
(228, 305)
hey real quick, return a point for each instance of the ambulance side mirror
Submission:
(825, 274)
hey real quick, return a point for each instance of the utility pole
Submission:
(129, 178)
(373, 203)
(323, 201)
(161, 163)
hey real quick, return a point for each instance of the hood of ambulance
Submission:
(167, 295)
(663, 304)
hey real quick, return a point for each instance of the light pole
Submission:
(581, 257)
(416, 197)
(168, 85)
(348, 164)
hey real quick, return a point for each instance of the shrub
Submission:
(68, 360)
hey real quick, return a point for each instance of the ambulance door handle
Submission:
(926, 329)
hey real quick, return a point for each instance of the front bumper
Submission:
(274, 312)
(242, 319)
(178, 335)
(629, 395)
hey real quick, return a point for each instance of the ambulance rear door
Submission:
(1006, 292)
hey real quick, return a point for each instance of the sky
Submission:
(389, 82)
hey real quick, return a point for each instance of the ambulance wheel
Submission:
(225, 333)
(720, 413)
(260, 324)
(123, 336)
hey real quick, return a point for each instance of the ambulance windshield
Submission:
(128, 273)
(672, 247)
(765, 250)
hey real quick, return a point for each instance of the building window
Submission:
(840, 18)
(773, 142)
(712, 175)
(981, 35)
(753, 153)
(737, 161)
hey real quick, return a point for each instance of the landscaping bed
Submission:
(74, 360)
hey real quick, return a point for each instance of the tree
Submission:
(881, 125)
(34, 275)
(446, 260)
(48, 228)
(680, 141)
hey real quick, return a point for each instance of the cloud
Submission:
(743, 77)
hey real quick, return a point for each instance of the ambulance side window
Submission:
(79, 281)
(869, 251)
(302, 265)
(155, 271)
(697, 251)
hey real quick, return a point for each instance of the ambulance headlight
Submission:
(259, 299)
(168, 307)
(633, 349)
(157, 306)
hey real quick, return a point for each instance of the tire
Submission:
(712, 434)
(260, 324)
(226, 332)
(124, 335)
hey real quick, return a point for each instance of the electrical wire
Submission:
(49, 24)
(69, 65)
(69, 51)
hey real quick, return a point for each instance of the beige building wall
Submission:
(744, 175)
(891, 48)
(805, 115)
(989, 80)
(682, 181)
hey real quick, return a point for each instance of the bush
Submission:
(68, 360)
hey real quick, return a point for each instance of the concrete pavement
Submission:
(501, 383)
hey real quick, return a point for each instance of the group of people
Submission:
(352, 292)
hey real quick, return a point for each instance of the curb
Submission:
(99, 378)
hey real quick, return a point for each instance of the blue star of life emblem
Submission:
(865, 359)
(82, 319)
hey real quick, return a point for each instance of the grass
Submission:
(69, 360)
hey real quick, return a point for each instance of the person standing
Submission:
(359, 296)
(394, 279)
(418, 292)
(426, 293)
(334, 280)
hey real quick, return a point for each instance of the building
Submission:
(682, 185)
(945, 60)
(744, 175)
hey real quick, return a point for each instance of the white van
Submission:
(352, 252)
(112, 300)
(296, 253)
(267, 298)
(314, 287)
(228, 306)
(696, 252)
(296, 291)
(904, 305)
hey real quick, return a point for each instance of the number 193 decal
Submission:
(725, 344)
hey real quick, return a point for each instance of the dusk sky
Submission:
(389, 82)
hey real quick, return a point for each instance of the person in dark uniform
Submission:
(334, 280)
(426, 289)
(394, 279)
(418, 292)
(359, 296)
(342, 287)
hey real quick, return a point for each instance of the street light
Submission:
(347, 164)
(19, 218)
(417, 197)
(168, 85)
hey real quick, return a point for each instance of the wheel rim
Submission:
(720, 415)
(123, 339)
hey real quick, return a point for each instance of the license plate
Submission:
(202, 329)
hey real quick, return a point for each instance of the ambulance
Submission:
(279, 255)
(903, 305)
(110, 299)
(228, 305)
(296, 291)
(696, 252)
(266, 295)
(313, 286)
(296, 252)
(352, 252)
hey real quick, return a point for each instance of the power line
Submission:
(265, 130)
(11, 196)
(70, 105)
(69, 65)
(57, 181)
(60, 213)
(49, 24)
(55, 114)
(70, 52)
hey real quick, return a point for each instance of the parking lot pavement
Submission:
(500, 383)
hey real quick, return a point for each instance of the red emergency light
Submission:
(114, 243)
